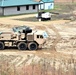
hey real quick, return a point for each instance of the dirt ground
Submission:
(60, 32)
(61, 42)
(57, 56)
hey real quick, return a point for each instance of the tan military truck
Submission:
(23, 38)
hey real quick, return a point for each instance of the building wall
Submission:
(1, 11)
(49, 5)
(13, 10)
(46, 6)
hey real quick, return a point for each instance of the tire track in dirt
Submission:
(48, 28)
(58, 36)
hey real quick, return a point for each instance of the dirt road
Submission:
(11, 21)
(59, 43)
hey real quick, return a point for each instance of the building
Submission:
(11, 7)
(46, 4)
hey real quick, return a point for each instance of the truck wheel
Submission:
(32, 46)
(22, 46)
(1, 46)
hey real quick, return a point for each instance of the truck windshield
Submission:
(45, 35)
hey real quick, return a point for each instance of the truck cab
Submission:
(38, 37)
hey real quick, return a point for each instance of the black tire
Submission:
(32, 46)
(1, 46)
(22, 46)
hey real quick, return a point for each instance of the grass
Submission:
(54, 17)
(44, 67)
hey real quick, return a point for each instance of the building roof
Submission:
(6, 3)
(46, 1)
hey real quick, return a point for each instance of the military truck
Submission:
(23, 38)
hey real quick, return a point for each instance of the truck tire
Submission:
(32, 46)
(1, 46)
(22, 46)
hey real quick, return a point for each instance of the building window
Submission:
(18, 8)
(27, 7)
(34, 7)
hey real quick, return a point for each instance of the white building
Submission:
(46, 4)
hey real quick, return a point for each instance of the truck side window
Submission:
(37, 36)
(41, 36)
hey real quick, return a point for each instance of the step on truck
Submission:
(23, 38)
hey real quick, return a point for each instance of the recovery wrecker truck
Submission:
(23, 38)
